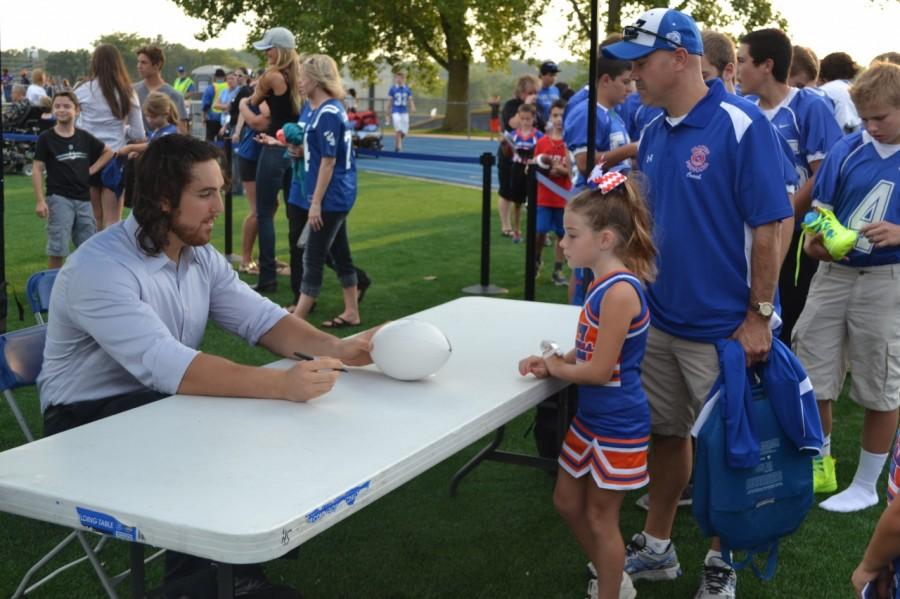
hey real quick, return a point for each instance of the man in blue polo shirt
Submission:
(715, 186)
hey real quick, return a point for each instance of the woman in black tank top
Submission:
(281, 111)
(278, 87)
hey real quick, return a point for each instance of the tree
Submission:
(126, 44)
(749, 14)
(363, 35)
(68, 64)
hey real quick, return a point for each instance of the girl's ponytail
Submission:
(639, 252)
(622, 209)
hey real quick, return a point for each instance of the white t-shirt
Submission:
(97, 119)
(844, 109)
(34, 93)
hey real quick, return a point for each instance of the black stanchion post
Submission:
(530, 236)
(592, 120)
(3, 296)
(485, 287)
(228, 203)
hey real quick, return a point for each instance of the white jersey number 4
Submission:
(871, 210)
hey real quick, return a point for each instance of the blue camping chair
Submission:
(38, 291)
(21, 356)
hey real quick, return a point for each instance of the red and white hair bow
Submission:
(608, 181)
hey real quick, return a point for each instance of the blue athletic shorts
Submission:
(550, 220)
(112, 177)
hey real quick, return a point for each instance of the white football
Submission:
(410, 349)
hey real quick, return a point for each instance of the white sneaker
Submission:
(642, 563)
(719, 581)
(626, 589)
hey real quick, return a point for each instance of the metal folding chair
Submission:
(21, 357)
(38, 291)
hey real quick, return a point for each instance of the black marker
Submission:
(303, 356)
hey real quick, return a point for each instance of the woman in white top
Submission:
(36, 90)
(110, 111)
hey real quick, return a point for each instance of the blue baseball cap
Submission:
(657, 29)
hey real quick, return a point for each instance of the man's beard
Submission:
(191, 236)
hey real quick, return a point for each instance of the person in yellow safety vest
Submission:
(211, 97)
(184, 85)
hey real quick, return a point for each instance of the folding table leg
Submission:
(20, 592)
(225, 575)
(24, 589)
(479, 457)
(136, 551)
(98, 568)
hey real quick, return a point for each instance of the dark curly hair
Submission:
(161, 174)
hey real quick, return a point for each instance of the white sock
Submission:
(655, 545)
(861, 492)
(826, 446)
(711, 555)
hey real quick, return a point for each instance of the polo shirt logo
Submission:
(699, 160)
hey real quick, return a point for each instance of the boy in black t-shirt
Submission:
(70, 156)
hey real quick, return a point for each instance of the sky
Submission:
(862, 28)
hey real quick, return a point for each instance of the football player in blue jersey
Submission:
(709, 161)
(400, 101)
(805, 119)
(613, 83)
(611, 134)
(851, 317)
(804, 68)
(720, 61)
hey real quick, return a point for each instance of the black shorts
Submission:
(504, 174)
(246, 169)
(520, 183)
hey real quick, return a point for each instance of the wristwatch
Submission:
(549, 348)
(764, 309)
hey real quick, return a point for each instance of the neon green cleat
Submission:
(824, 477)
(837, 238)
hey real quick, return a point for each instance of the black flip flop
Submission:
(361, 292)
(339, 323)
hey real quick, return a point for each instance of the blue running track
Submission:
(463, 174)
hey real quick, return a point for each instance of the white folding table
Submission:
(243, 481)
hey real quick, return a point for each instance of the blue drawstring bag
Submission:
(752, 507)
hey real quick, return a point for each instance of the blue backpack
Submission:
(749, 508)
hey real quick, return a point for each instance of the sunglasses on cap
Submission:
(631, 32)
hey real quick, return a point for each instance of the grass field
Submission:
(500, 537)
